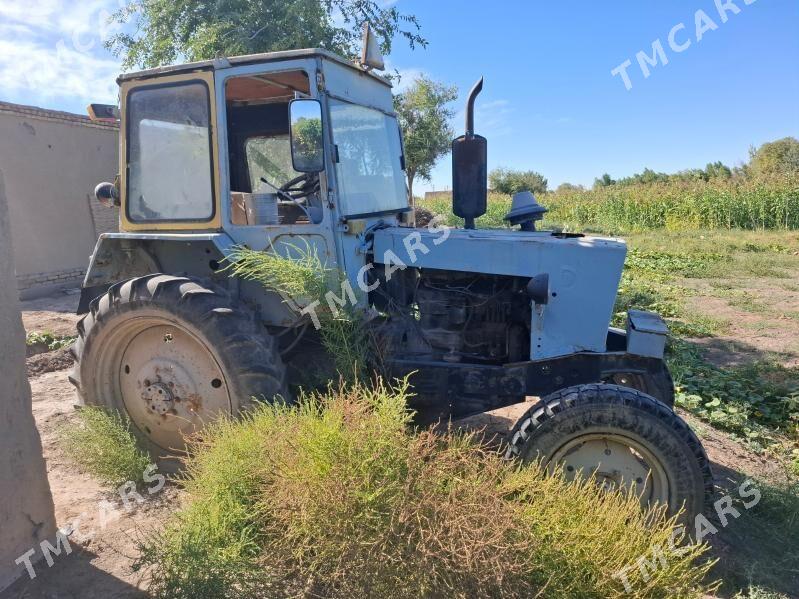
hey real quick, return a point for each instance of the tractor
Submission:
(303, 148)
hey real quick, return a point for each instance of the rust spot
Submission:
(195, 402)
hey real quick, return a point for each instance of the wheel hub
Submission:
(158, 397)
(170, 383)
(615, 463)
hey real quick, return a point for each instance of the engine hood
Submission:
(584, 274)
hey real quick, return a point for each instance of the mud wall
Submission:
(52, 162)
(26, 505)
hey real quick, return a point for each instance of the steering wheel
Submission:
(301, 187)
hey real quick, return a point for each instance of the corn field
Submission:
(680, 205)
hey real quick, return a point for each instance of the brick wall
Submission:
(58, 278)
(106, 220)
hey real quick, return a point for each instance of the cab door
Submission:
(253, 141)
(169, 159)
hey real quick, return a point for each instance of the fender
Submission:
(122, 256)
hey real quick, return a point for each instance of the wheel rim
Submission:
(167, 378)
(616, 462)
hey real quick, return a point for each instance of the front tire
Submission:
(174, 354)
(624, 438)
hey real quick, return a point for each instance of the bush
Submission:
(334, 498)
(303, 277)
(104, 444)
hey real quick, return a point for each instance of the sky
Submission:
(720, 84)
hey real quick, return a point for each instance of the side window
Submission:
(270, 158)
(169, 154)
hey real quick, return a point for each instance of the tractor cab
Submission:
(267, 149)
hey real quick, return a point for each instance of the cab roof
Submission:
(226, 62)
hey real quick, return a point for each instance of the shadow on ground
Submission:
(72, 576)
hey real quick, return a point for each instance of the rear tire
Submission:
(622, 436)
(173, 354)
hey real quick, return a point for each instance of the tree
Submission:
(691, 174)
(169, 31)
(510, 181)
(569, 188)
(424, 116)
(604, 181)
(718, 170)
(779, 157)
(646, 177)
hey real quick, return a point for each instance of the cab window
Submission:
(169, 153)
(270, 158)
(264, 188)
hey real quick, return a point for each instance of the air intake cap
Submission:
(525, 210)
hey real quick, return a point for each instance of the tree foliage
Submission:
(604, 181)
(717, 170)
(424, 115)
(779, 157)
(170, 31)
(503, 180)
(713, 170)
(569, 188)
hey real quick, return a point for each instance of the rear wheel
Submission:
(622, 437)
(173, 354)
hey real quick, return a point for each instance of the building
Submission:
(51, 162)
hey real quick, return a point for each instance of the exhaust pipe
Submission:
(476, 89)
(470, 168)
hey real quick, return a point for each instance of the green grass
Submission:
(49, 340)
(765, 559)
(103, 443)
(336, 498)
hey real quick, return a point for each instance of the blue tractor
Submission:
(303, 149)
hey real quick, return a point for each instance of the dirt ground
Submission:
(760, 319)
(101, 568)
(54, 314)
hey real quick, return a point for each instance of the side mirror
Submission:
(307, 145)
(107, 194)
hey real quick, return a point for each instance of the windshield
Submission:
(369, 169)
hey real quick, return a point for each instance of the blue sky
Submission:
(550, 102)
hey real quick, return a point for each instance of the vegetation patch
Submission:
(759, 402)
(335, 497)
(104, 443)
(303, 277)
(766, 542)
(48, 340)
(764, 203)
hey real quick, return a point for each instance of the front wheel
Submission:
(622, 437)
